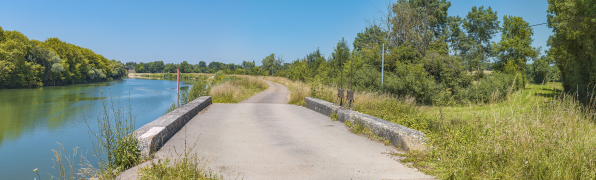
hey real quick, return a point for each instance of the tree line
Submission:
(436, 58)
(26, 63)
(158, 67)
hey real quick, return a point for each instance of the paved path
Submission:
(264, 138)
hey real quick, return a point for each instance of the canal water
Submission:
(34, 121)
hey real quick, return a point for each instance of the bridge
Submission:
(263, 137)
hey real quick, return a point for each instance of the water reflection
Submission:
(33, 120)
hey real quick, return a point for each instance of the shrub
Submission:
(493, 88)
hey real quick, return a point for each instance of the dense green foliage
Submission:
(31, 63)
(573, 45)
(435, 58)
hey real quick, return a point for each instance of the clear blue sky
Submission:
(224, 31)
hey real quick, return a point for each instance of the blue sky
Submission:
(224, 31)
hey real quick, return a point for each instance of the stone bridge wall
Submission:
(155, 134)
(400, 136)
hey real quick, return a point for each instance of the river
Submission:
(33, 121)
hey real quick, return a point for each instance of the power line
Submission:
(563, 19)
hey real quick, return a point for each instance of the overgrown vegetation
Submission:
(538, 133)
(28, 63)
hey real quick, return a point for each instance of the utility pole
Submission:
(382, 65)
(341, 81)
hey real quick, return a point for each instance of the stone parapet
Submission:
(155, 134)
(400, 136)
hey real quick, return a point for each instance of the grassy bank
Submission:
(237, 89)
(537, 133)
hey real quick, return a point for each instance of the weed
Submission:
(333, 117)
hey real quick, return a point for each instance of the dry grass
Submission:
(235, 91)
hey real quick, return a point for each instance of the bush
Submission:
(489, 89)
(412, 79)
(367, 78)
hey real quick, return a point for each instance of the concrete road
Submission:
(264, 138)
(276, 94)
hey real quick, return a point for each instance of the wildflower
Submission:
(526, 162)
(35, 170)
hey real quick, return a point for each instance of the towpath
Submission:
(265, 138)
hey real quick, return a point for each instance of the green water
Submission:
(32, 121)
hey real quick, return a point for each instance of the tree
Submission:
(157, 66)
(573, 44)
(48, 60)
(540, 70)
(340, 55)
(130, 64)
(416, 23)
(185, 67)
(461, 44)
(15, 70)
(268, 63)
(118, 70)
(170, 68)
(2, 37)
(371, 35)
(515, 48)
(481, 25)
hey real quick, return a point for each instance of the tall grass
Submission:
(114, 143)
(239, 89)
(551, 139)
(114, 146)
